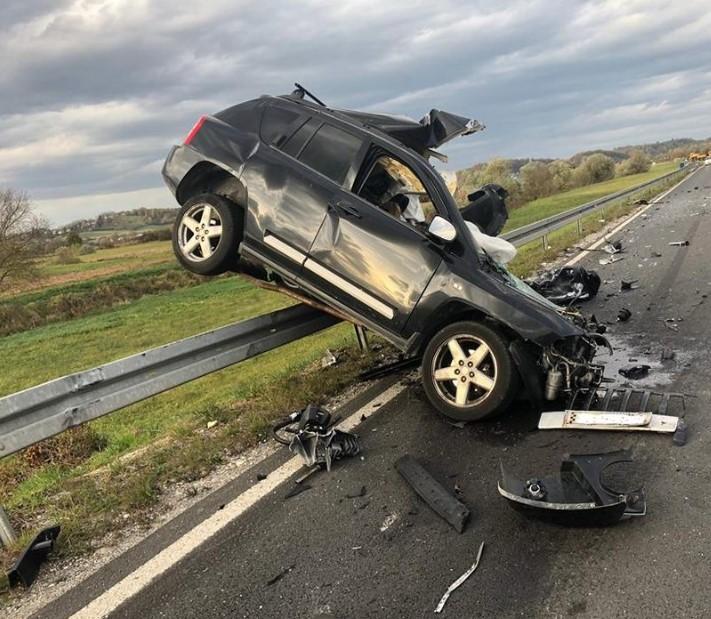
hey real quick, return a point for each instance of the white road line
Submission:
(626, 222)
(132, 584)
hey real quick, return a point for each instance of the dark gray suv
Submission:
(343, 208)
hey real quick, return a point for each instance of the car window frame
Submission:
(291, 128)
(379, 151)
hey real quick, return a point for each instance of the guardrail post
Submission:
(580, 228)
(7, 533)
(362, 338)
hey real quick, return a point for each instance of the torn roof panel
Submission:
(433, 130)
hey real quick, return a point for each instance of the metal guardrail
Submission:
(537, 229)
(40, 412)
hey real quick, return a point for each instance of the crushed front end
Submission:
(568, 363)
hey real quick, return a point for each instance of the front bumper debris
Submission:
(580, 495)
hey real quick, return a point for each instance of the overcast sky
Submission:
(94, 92)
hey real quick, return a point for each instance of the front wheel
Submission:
(206, 235)
(467, 372)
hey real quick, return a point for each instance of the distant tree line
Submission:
(538, 179)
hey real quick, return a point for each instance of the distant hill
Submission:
(136, 219)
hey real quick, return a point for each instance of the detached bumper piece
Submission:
(433, 493)
(587, 492)
(27, 566)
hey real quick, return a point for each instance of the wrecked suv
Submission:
(343, 210)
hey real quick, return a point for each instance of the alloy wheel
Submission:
(199, 232)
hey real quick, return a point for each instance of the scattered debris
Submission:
(27, 566)
(279, 576)
(297, 489)
(328, 359)
(315, 438)
(631, 285)
(211, 424)
(667, 354)
(614, 420)
(611, 259)
(576, 496)
(640, 202)
(457, 583)
(679, 243)
(672, 323)
(613, 247)
(635, 372)
(656, 254)
(567, 285)
(433, 493)
(624, 315)
(389, 368)
(261, 476)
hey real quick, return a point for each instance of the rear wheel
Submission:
(206, 235)
(467, 372)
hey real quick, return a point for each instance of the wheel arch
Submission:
(208, 177)
(454, 311)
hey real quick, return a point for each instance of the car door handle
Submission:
(346, 209)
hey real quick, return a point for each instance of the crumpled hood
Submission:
(433, 130)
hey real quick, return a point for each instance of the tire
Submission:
(218, 234)
(490, 382)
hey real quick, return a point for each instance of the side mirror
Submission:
(442, 229)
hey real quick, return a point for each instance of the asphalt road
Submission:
(385, 554)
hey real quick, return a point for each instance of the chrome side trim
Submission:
(285, 249)
(349, 288)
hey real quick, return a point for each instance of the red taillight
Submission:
(194, 131)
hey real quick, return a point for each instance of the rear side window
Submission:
(277, 123)
(331, 152)
(296, 142)
(244, 116)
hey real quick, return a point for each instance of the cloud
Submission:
(96, 91)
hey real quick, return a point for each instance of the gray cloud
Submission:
(96, 91)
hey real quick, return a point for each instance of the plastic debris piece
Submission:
(457, 583)
(631, 285)
(679, 243)
(25, 570)
(328, 359)
(624, 315)
(667, 354)
(635, 372)
(433, 493)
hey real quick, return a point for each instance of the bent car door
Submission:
(370, 258)
(288, 194)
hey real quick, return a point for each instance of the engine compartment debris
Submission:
(567, 285)
(458, 583)
(433, 493)
(314, 437)
(577, 495)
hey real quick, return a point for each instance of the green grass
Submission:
(125, 257)
(49, 481)
(552, 205)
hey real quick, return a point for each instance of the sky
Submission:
(95, 92)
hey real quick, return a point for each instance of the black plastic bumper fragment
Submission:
(28, 564)
(433, 493)
(584, 493)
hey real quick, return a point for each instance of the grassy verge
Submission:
(101, 263)
(59, 303)
(552, 205)
(51, 482)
